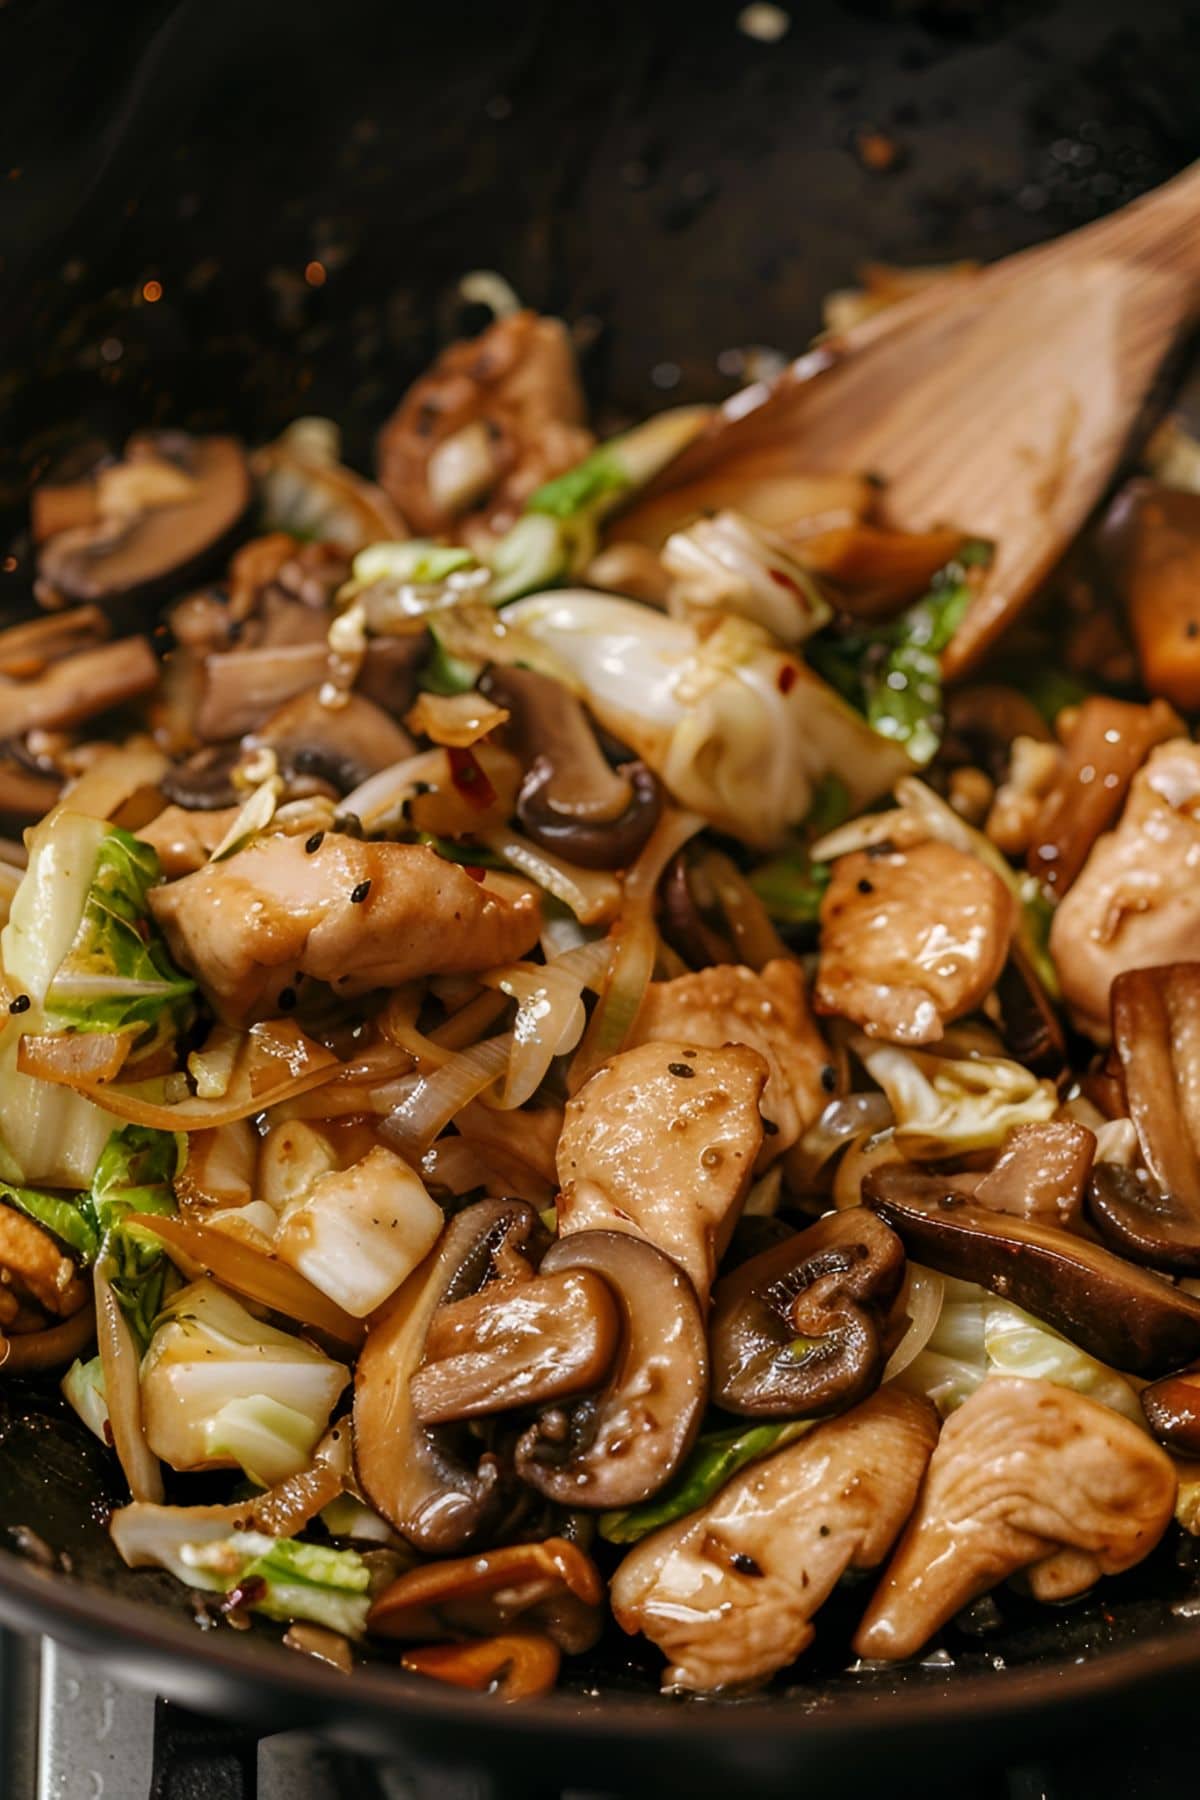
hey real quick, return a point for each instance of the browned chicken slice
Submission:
(32, 1263)
(358, 915)
(184, 840)
(728, 1594)
(1136, 903)
(728, 1004)
(1026, 1476)
(911, 939)
(661, 1143)
(492, 419)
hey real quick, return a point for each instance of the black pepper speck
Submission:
(680, 1069)
(360, 893)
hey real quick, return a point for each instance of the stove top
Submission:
(67, 1732)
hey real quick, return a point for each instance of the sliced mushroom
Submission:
(551, 1587)
(1151, 544)
(204, 783)
(986, 718)
(661, 1143)
(25, 795)
(159, 514)
(1156, 1036)
(243, 687)
(30, 647)
(517, 1665)
(342, 744)
(911, 939)
(796, 1331)
(1123, 1315)
(80, 686)
(354, 914)
(766, 1010)
(1109, 742)
(1145, 1222)
(620, 1446)
(1040, 1173)
(519, 1345)
(432, 1485)
(729, 1593)
(1172, 1409)
(1154, 1216)
(571, 801)
(1023, 1471)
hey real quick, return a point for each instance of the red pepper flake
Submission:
(784, 580)
(470, 779)
(247, 1593)
(786, 679)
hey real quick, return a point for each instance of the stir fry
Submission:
(542, 1041)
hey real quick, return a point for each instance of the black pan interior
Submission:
(681, 192)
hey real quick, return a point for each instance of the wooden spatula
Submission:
(998, 401)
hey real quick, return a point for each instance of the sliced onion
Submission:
(923, 1304)
(458, 720)
(119, 1363)
(854, 1116)
(550, 1017)
(593, 895)
(435, 1099)
(634, 942)
(383, 795)
(145, 1534)
(755, 938)
(459, 1165)
(242, 1265)
(60, 1343)
(69, 1057)
(275, 1062)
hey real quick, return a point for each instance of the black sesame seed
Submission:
(287, 999)
(21, 1004)
(865, 886)
(744, 1564)
(314, 843)
(360, 893)
(681, 1069)
(829, 1078)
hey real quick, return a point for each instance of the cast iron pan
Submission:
(681, 192)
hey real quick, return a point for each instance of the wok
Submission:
(306, 185)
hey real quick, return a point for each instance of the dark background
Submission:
(675, 188)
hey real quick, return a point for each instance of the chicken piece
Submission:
(728, 1004)
(32, 1263)
(1136, 902)
(1026, 1475)
(911, 939)
(728, 1594)
(357, 915)
(494, 418)
(661, 1143)
(1040, 1173)
(183, 840)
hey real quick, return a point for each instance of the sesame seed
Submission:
(21, 1004)
(359, 894)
